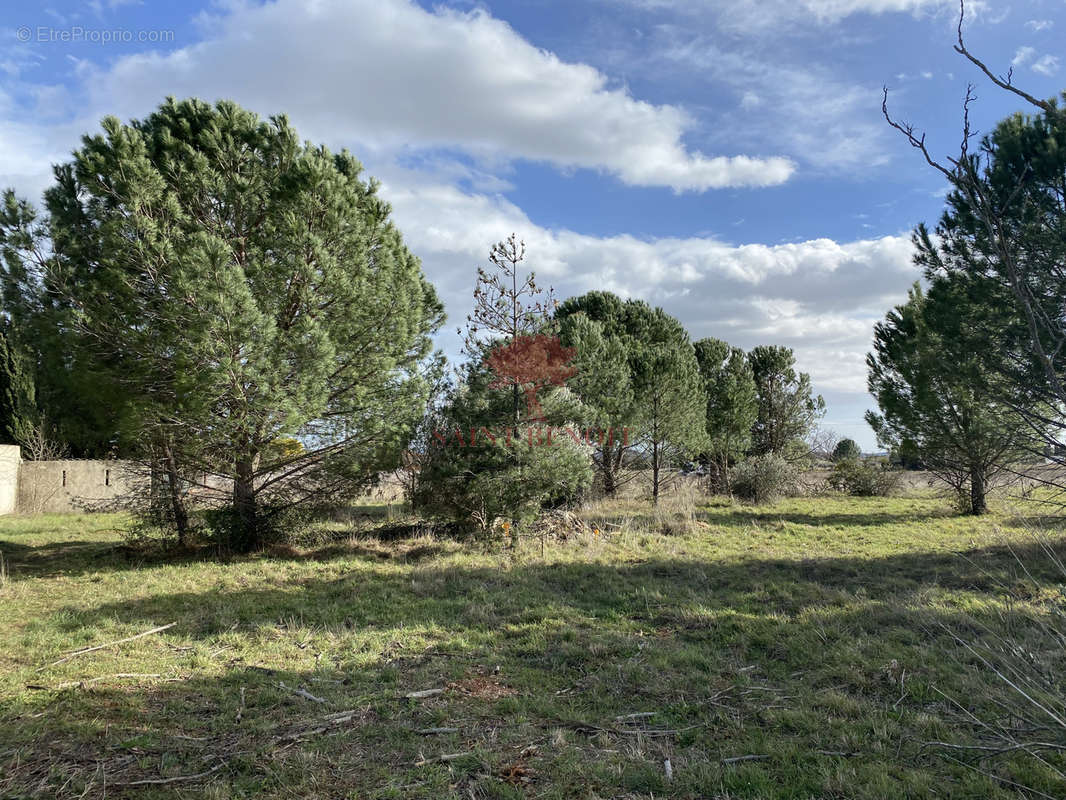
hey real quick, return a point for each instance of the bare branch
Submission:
(1004, 82)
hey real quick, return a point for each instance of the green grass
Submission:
(807, 635)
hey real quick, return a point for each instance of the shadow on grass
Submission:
(76, 557)
(479, 597)
(520, 652)
(745, 517)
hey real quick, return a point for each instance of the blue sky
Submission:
(726, 161)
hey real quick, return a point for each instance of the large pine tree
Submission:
(732, 406)
(239, 285)
(637, 371)
(937, 394)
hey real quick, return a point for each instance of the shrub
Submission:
(763, 479)
(299, 525)
(488, 482)
(863, 479)
(846, 450)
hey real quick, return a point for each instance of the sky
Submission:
(726, 161)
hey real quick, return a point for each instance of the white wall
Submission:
(9, 477)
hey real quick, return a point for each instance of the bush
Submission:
(763, 479)
(863, 479)
(301, 525)
(487, 475)
(846, 450)
(481, 485)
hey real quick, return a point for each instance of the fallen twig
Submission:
(442, 758)
(738, 759)
(326, 723)
(175, 779)
(435, 731)
(82, 652)
(638, 715)
(423, 694)
(586, 727)
(998, 748)
(86, 681)
(302, 692)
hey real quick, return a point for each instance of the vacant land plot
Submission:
(791, 652)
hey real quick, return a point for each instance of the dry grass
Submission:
(819, 635)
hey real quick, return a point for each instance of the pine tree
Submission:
(646, 389)
(732, 406)
(670, 394)
(485, 462)
(846, 450)
(936, 394)
(600, 326)
(604, 383)
(788, 411)
(18, 413)
(241, 286)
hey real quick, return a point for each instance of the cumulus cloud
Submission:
(1023, 55)
(820, 297)
(388, 73)
(27, 151)
(1046, 65)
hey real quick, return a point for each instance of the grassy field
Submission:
(788, 652)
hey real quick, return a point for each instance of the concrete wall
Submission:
(70, 486)
(9, 475)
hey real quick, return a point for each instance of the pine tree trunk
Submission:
(977, 490)
(655, 454)
(244, 504)
(607, 467)
(177, 505)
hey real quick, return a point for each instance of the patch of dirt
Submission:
(482, 687)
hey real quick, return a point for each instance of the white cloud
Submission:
(27, 151)
(1023, 55)
(750, 100)
(388, 74)
(1046, 65)
(752, 16)
(835, 10)
(1038, 25)
(820, 297)
(808, 111)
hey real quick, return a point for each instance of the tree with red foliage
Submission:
(529, 363)
(501, 308)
